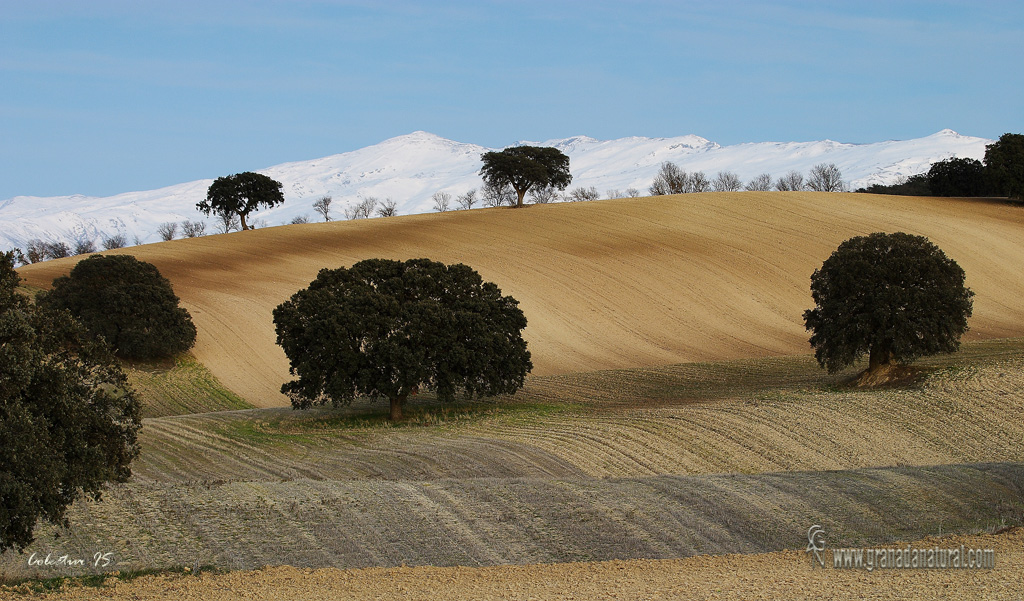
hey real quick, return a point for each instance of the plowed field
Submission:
(615, 426)
(608, 284)
(535, 481)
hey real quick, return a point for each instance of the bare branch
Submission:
(323, 206)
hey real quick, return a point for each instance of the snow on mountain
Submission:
(411, 168)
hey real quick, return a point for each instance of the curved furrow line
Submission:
(600, 453)
(723, 431)
(955, 417)
(216, 454)
(566, 440)
(614, 437)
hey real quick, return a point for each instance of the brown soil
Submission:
(608, 284)
(780, 575)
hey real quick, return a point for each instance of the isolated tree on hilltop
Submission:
(84, 246)
(526, 167)
(167, 231)
(68, 418)
(35, 250)
(115, 240)
(56, 250)
(388, 329)
(240, 195)
(895, 296)
(128, 303)
(362, 209)
(193, 229)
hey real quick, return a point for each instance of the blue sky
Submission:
(103, 97)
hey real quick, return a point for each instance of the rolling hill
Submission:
(608, 284)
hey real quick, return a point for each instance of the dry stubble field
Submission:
(642, 462)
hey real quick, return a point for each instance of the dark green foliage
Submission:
(915, 185)
(387, 329)
(894, 296)
(128, 303)
(68, 418)
(1004, 161)
(957, 177)
(525, 167)
(951, 177)
(241, 194)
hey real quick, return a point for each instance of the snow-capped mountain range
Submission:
(409, 169)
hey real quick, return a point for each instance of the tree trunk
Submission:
(241, 218)
(521, 194)
(396, 407)
(878, 358)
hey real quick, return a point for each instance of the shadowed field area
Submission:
(492, 521)
(605, 285)
(726, 457)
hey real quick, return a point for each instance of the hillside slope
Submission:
(608, 284)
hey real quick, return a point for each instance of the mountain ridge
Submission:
(411, 167)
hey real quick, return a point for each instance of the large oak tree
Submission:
(387, 329)
(895, 296)
(240, 195)
(68, 418)
(128, 303)
(526, 167)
